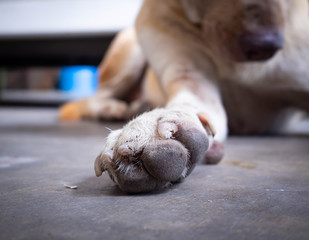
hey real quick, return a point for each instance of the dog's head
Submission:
(242, 30)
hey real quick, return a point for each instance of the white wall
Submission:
(65, 17)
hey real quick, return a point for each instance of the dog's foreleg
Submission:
(185, 89)
(195, 94)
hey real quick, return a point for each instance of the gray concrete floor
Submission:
(259, 191)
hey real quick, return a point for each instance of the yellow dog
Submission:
(196, 63)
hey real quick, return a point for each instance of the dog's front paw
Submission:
(155, 149)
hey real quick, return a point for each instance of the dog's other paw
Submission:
(71, 111)
(101, 108)
(92, 108)
(154, 150)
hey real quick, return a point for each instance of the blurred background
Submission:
(50, 49)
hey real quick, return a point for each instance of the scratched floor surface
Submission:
(259, 191)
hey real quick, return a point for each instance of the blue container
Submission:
(80, 81)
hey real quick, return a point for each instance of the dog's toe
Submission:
(195, 141)
(167, 129)
(215, 154)
(165, 160)
(138, 182)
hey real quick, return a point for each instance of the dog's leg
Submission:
(163, 145)
(119, 75)
(203, 99)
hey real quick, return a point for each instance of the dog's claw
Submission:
(101, 161)
(126, 149)
(167, 129)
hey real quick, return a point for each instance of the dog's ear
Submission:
(101, 163)
(191, 10)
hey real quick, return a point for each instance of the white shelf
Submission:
(45, 18)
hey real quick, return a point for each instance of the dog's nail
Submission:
(107, 156)
(101, 161)
(195, 141)
(167, 129)
(207, 125)
(126, 149)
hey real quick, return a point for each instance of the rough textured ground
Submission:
(259, 191)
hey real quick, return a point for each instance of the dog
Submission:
(197, 68)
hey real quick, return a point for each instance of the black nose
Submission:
(260, 46)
